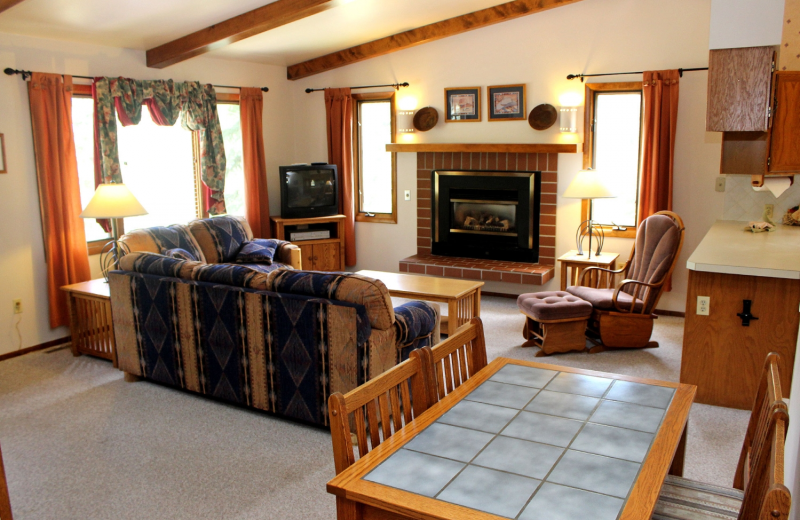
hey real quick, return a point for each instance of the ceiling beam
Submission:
(424, 34)
(234, 29)
(8, 4)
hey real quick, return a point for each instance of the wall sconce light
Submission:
(568, 119)
(405, 115)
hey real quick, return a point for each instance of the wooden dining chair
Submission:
(457, 358)
(379, 408)
(5, 502)
(758, 491)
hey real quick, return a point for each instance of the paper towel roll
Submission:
(776, 185)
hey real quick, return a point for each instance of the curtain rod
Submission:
(395, 85)
(581, 76)
(26, 74)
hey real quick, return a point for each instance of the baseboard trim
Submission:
(41, 346)
(677, 314)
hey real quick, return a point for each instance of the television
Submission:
(309, 190)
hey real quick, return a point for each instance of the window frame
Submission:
(95, 247)
(362, 216)
(592, 89)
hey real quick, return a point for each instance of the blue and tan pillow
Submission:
(259, 251)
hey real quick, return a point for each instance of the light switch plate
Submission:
(720, 186)
(703, 305)
(407, 194)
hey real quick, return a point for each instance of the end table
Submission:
(577, 263)
(90, 319)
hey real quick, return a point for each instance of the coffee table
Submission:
(463, 297)
(527, 441)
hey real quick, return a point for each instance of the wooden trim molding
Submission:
(8, 4)
(361, 216)
(41, 346)
(424, 34)
(485, 147)
(235, 29)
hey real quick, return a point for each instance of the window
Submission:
(374, 167)
(613, 144)
(158, 156)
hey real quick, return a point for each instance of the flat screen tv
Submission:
(309, 190)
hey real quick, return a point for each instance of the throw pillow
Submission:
(179, 253)
(259, 251)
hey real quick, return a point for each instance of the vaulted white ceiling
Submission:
(144, 24)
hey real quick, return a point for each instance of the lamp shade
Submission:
(588, 184)
(113, 201)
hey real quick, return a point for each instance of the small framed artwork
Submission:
(462, 105)
(3, 167)
(507, 103)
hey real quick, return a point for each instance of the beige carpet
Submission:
(79, 443)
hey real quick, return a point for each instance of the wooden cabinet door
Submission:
(785, 139)
(326, 257)
(307, 254)
(739, 89)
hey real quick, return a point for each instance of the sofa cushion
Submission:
(553, 305)
(266, 268)
(601, 298)
(231, 274)
(220, 238)
(160, 238)
(151, 263)
(180, 254)
(347, 287)
(259, 251)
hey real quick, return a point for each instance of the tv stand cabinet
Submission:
(318, 255)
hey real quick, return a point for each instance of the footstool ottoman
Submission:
(556, 321)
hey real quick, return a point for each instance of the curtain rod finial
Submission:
(264, 89)
(9, 71)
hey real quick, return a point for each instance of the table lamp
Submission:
(587, 185)
(112, 201)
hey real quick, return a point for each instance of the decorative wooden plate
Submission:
(543, 117)
(425, 119)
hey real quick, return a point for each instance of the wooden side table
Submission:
(325, 254)
(577, 263)
(463, 297)
(90, 319)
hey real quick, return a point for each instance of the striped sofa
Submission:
(279, 341)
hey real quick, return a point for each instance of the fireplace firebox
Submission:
(486, 214)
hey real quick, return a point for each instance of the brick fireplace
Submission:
(480, 269)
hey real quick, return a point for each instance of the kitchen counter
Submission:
(728, 249)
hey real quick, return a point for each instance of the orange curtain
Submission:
(339, 112)
(658, 153)
(256, 197)
(59, 192)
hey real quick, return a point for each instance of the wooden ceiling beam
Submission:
(8, 4)
(234, 29)
(424, 34)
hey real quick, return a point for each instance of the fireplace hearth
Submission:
(486, 214)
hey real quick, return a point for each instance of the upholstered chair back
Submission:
(220, 238)
(162, 238)
(658, 241)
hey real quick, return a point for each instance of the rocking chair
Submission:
(623, 317)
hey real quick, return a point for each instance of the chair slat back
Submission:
(5, 502)
(760, 469)
(379, 408)
(457, 358)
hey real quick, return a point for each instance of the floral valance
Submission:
(166, 100)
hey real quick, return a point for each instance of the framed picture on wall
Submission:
(462, 105)
(507, 103)
(3, 167)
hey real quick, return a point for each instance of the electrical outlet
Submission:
(720, 185)
(17, 306)
(769, 210)
(703, 305)
(407, 194)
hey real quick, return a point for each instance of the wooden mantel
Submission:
(477, 147)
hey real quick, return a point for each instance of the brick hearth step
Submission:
(475, 269)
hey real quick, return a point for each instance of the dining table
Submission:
(528, 441)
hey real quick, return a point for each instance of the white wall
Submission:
(540, 50)
(745, 23)
(22, 269)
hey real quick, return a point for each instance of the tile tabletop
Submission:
(531, 444)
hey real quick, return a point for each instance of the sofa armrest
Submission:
(417, 320)
(291, 255)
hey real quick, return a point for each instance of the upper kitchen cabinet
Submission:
(739, 89)
(784, 146)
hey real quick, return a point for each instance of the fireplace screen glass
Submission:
(484, 217)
